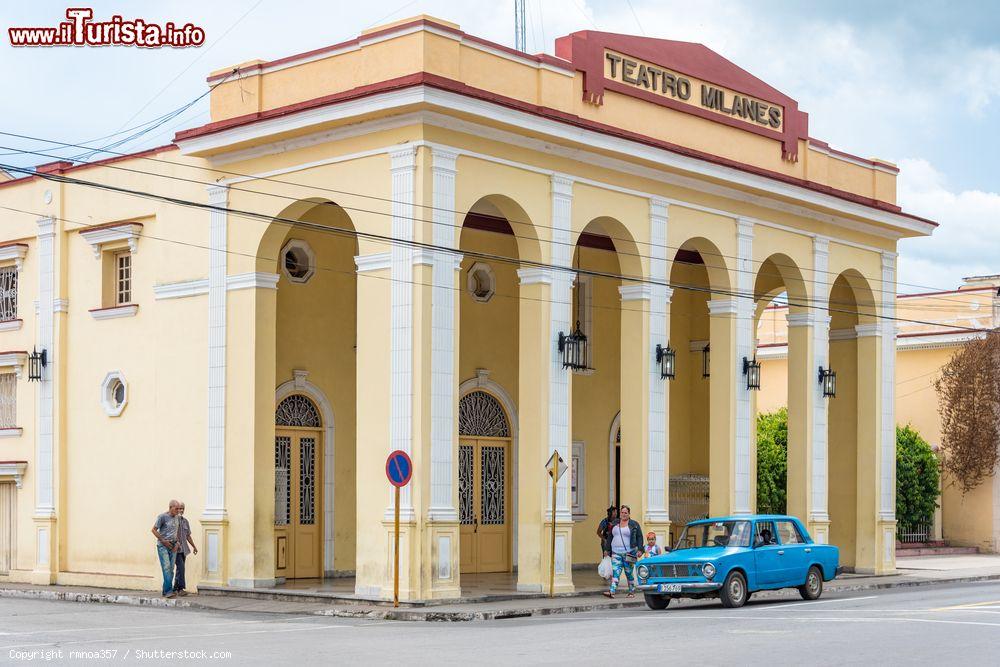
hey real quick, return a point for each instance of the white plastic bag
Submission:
(604, 568)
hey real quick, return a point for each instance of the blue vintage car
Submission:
(731, 557)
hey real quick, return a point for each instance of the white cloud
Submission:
(966, 243)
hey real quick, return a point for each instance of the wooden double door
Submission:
(484, 504)
(298, 518)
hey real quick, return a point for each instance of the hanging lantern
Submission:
(828, 380)
(666, 358)
(573, 347)
(751, 368)
(705, 366)
(36, 362)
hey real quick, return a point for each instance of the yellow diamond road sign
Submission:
(557, 465)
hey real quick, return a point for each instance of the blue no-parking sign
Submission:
(399, 468)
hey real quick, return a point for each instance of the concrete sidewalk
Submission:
(917, 571)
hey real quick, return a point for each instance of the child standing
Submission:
(651, 548)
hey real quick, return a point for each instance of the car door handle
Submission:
(809, 551)
(781, 552)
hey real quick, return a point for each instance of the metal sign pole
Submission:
(552, 560)
(395, 551)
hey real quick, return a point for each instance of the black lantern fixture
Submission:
(36, 362)
(574, 349)
(828, 380)
(751, 368)
(705, 367)
(666, 358)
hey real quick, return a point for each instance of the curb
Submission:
(459, 616)
(429, 615)
(101, 598)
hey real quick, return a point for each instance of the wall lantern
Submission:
(574, 349)
(751, 368)
(828, 380)
(705, 358)
(36, 362)
(666, 358)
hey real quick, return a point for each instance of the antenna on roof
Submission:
(519, 41)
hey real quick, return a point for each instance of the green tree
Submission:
(772, 461)
(916, 478)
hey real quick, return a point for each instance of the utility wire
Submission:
(388, 240)
(235, 187)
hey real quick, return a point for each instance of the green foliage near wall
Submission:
(772, 461)
(917, 475)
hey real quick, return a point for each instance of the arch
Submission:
(273, 238)
(630, 261)
(776, 274)
(710, 257)
(497, 209)
(864, 296)
(480, 414)
(482, 382)
(299, 385)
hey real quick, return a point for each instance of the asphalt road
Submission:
(953, 624)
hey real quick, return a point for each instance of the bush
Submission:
(916, 478)
(772, 461)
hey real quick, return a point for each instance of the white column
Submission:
(403, 170)
(887, 474)
(657, 510)
(443, 385)
(744, 348)
(44, 441)
(821, 357)
(215, 496)
(560, 321)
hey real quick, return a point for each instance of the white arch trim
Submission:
(300, 385)
(616, 424)
(482, 382)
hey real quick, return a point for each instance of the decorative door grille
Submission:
(688, 498)
(282, 489)
(307, 481)
(8, 294)
(465, 491)
(297, 410)
(480, 414)
(493, 462)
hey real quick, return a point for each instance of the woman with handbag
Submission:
(604, 532)
(625, 542)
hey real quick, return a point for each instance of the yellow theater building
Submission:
(422, 240)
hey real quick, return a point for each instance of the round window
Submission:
(298, 262)
(114, 393)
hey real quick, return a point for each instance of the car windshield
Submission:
(715, 534)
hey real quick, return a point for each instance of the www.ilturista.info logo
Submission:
(81, 30)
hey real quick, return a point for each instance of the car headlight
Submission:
(708, 570)
(643, 572)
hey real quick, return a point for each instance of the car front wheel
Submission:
(657, 602)
(813, 587)
(734, 590)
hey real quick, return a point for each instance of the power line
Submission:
(388, 240)
(869, 279)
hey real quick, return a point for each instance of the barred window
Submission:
(8, 400)
(8, 293)
(123, 278)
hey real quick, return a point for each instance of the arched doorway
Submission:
(298, 489)
(484, 464)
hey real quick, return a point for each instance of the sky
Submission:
(916, 82)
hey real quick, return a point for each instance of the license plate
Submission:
(670, 588)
